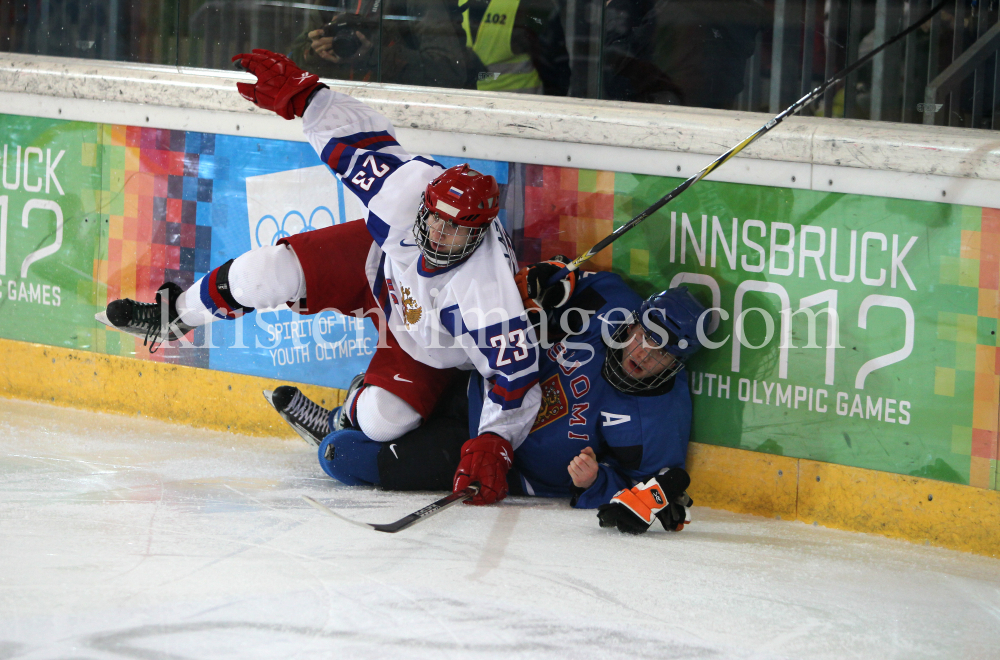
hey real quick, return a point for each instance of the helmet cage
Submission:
(444, 255)
(614, 371)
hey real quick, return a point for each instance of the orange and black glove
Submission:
(281, 85)
(633, 510)
(533, 285)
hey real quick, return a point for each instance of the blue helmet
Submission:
(671, 317)
(669, 321)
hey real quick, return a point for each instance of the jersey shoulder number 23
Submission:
(378, 170)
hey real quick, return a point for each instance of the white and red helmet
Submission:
(464, 202)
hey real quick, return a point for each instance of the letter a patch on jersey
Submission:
(613, 419)
(554, 403)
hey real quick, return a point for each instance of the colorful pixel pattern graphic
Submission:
(976, 370)
(566, 212)
(156, 206)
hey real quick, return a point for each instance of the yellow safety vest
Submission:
(506, 71)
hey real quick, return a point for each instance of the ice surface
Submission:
(126, 538)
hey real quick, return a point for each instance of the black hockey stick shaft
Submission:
(429, 510)
(715, 164)
(406, 521)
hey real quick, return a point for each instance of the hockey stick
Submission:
(406, 521)
(715, 164)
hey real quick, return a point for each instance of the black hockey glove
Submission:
(533, 285)
(675, 515)
(633, 511)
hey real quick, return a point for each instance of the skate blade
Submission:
(102, 316)
(305, 435)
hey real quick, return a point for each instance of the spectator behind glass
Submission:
(520, 43)
(687, 52)
(422, 44)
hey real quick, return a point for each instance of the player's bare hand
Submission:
(583, 468)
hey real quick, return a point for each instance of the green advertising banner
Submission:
(850, 329)
(49, 230)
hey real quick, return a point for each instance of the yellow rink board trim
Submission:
(742, 481)
(896, 505)
(855, 499)
(110, 383)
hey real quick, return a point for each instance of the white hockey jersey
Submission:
(468, 315)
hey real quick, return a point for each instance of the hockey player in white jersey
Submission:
(431, 259)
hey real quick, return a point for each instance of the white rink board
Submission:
(125, 538)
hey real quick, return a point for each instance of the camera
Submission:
(345, 42)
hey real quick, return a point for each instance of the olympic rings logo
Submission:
(293, 223)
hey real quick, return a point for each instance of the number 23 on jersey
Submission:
(516, 340)
(362, 180)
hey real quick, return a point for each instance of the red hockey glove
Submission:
(281, 85)
(485, 459)
(533, 285)
(633, 511)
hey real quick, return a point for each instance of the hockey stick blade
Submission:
(327, 510)
(406, 521)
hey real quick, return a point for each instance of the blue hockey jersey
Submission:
(634, 437)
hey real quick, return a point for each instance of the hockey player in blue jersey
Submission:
(615, 384)
(612, 431)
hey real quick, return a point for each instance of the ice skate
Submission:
(340, 420)
(309, 419)
(151, 321)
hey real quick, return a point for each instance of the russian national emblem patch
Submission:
(412, 311)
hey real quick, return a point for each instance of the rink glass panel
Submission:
(723, 54)
(913, 390)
